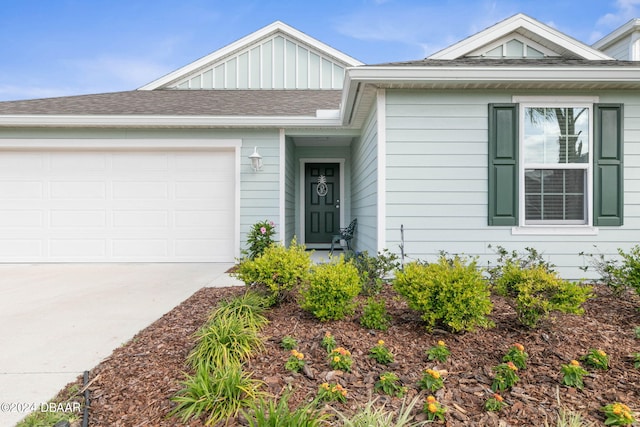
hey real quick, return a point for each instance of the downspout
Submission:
(381, 108)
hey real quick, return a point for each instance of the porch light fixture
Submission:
(256, 160)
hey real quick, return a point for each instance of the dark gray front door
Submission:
(322, 204)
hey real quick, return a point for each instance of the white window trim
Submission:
(586, 229)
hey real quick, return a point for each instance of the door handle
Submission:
(338, 204)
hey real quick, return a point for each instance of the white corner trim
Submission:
(381, 108)
(579, 230)
(237, 181)
(282, 185)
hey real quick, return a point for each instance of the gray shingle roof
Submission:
(183, 103)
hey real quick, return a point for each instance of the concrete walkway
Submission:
(58, 320)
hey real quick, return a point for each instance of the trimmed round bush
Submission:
(450, 292)
(331, 290)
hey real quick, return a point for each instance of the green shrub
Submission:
(618, 274)
(249, 307)
(450, 291)
(221, 394)
(535, 292)
(259, 238)
(278, 270)
(269, 413)
(330, 292)
(374, 315)
(374, 270)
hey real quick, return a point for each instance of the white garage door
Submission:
(117, 206)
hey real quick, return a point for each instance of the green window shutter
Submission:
(503, 164)
(608, 165)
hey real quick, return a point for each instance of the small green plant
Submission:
(619, 274)
(452, 292)
(331, 291)
(332, 393)
(572, 374)
(517, 355)
(389, 384)
(505, 377)
(434, 410)
(278, 271)
(374, 315)
(264, 412)
(636, 332)
(596, 358)
(328, 342)
(224, 341)
(288, 342)
(340, 359)
(636, 360)
(374, 269)
(495, 403)
(220, 394)
(618, 414)
(259, 238)
(372, 415)
(380, 353)
(438, 352)
(431, 380)
(296, 361)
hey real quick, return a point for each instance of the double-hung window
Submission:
(555, 168)
(555, 164)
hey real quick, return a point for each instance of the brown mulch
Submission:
(133, 386)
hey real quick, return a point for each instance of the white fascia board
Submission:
(461, 74)
(617, 34)
(510, 25)
(273, 28)
(165, 121)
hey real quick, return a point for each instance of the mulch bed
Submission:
(133, 386)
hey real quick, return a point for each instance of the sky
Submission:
(51, 48)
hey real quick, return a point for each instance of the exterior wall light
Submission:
(256, 160)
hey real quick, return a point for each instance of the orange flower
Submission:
(512, 366)
(336, 359)
(575, 363)
(300, 356)
(441, 343)
(432, 408)
(431, 399)
(380, 342)
(498, 397)
(520, 347)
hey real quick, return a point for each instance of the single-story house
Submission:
(518, 136)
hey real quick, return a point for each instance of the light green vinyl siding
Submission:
(364, 201)
(437, 148)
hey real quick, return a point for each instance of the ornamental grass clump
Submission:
(264, 412)
(572, 374)
(277, 272)
(451, 292)
(380, 353)
(331, 290)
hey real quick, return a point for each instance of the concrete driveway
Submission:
(58, 320)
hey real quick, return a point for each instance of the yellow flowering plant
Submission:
(389, 384)
(329, 342)
(332, 393)
(572, 374)
(618, 414)
(431, 380)
(296, 361)
(495, 403)
(434, 410)
(340, 359)
(439, 352)
(381, 354)
(596, 358)
(505, 376)
(517, 355)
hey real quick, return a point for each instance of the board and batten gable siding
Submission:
(437, 148)
(364, 185)
(278, 62)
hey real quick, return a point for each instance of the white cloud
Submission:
(624, 10)
(117, 73)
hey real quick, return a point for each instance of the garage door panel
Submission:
(129, 206)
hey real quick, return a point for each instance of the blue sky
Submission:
(71, 47)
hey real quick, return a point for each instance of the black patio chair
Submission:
(346, 234)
